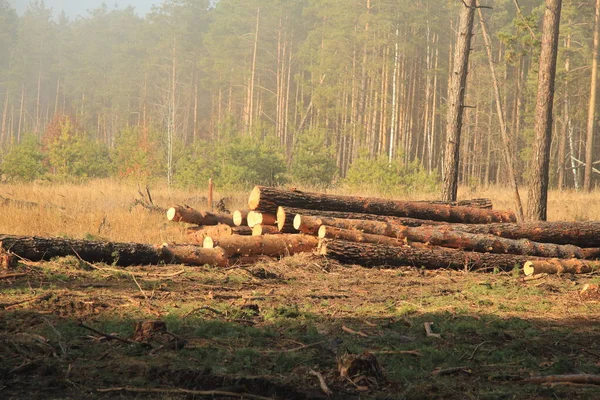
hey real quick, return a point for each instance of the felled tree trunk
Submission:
(120, 254)
(258, 230)
(240, 217)
(269, 245)
(267, 199)
(583, 234)
(376, 255)
(197, 236)
(558, 266)
(351, 235)
(285, 217)
(196, 255)
(192, 216)
(311, 225)
(476, 203)
(259, 218)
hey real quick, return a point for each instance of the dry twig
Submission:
(184, 391)
(322, 382)
(353, 332)
(111, 337)
(430, 332)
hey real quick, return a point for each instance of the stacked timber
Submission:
(365, 231)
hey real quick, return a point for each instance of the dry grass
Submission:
(102, 209)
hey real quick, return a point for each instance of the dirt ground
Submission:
(262, 331)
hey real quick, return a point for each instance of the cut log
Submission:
(242, 230)
(373, 255)
(286, 215)
(121, 254)
(445, 237)
(195, 255)
(477, 203)
(351, 235)
(311, 225)
(270, 245)
(192, 216)
(197, 236)
(239, 217)
(258, 218)
(259, 230)
(583, 234)
(558, 266)
(267, 199)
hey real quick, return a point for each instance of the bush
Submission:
(313, 162)
(71, 154)
(24, 161)
(389, 179)
(135, 154)
(235, 162)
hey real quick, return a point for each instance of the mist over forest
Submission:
(315, 92)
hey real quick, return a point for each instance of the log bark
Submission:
(475, 203)
(446, 237)
(260, 218)
(441, 236)
(259, 230)
(350, 235)
(582, 234)
(270, 245)
(240, 217)
(558, 266)
(267, 199)
(196, 255)
(286, 215)
(197, 236)
(192, 216)
(120, 254)
(376, 255)
(311, 225)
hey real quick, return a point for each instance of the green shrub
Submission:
(389, 179)
(136, 154)
(313, 162)
(24, 161)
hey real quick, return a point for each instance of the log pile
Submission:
(356, 230)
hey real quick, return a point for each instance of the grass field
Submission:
(260, 330)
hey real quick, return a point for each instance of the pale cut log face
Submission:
(254, 199)
(171, 213)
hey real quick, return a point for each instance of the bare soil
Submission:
(259, 330)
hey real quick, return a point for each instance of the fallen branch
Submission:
(415, 353)
(10, 306)
(184, 391)
(588, 379)
(450, 371)
(353, 332)
(322, 382)
(10, 276)
(303, 347)
(111, 337)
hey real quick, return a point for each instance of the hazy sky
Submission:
(80, 7)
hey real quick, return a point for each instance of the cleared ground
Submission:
(259, 330)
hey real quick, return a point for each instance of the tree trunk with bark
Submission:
(270, 245)
(435, 257)
(196, 255)
(456, 100)
(240, 217)
(260, 218)
(268, 199)
(120, 254)
(286, 216)
(540, 167)
(558, 266)
(589, 144)
(351, 235)
(259, 230)
(192, 216)
(582, 234)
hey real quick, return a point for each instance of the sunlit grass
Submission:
(103, 209)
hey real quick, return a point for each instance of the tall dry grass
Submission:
(102, 209)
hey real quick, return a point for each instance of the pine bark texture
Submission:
(558, 266)
(192, 216)
(458, 82)
(540, 166)
(391, 256)
(120, 254)
(269, 245)
(589, 144)
(268, 199)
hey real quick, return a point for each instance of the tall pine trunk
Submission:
(540, 167)
(455, 101)
(589, 144)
